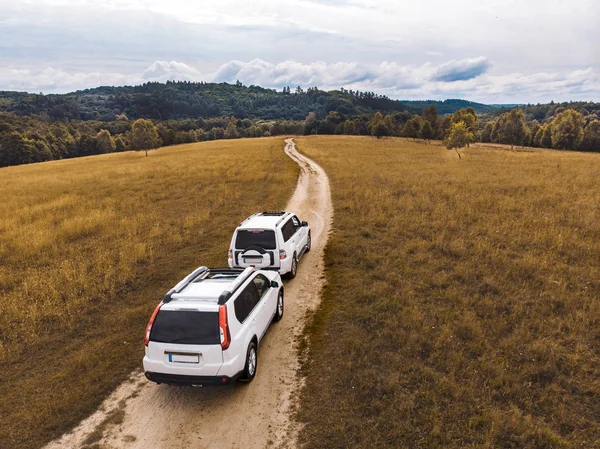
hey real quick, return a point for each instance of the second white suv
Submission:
(208, 328)
(270, 240)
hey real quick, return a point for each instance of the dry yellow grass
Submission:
(463, 300)
(87, 249)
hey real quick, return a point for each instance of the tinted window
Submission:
(259, 237)
(262, 284)
(186, 326)
(245, 302)
(287, 230)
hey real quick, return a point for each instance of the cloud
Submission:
(173, 70)
(465, 69)
(51, 80)
(468, 79)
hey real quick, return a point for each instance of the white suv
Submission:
(270, 240)
(208, 328)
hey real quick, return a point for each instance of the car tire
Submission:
(308, 243)
(279, 306)
(294, 268)
(251, 363)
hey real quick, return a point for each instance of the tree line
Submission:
(26, 139)
(181, 100)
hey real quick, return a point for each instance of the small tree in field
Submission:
(144, 136)
(458, 137)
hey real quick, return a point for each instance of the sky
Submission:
(490, 51)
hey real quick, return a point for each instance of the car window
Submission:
(262, 285)
(255, 237)
(187, 327)
(287, 230)
(245, 302)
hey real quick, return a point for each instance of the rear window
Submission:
(187, 327)
(258, 237)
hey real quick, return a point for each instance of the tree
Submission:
(567, 130)
(426, 131)
(378, 127)
(15, 149)
(543, 136)
(310, 123)
(349, 127)
(144, 136)
(512, 128)
(104, 142)
(486, 134)
(411, 129)
(458, 137)
(231, 131)
(120, 144)
(431, 115)
(591, 137)
(469, 117)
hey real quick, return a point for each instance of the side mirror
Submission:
(274, 284)
(304, 223)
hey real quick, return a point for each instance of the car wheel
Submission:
(251, 363)
(279, 307)
(308, 243)
(294, 268)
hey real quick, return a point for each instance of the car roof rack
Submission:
(185, 282)
(285, 215)
(272, 213)
(235, 285)
(248, 218)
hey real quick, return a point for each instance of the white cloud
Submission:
(425, 81)
(173, 70)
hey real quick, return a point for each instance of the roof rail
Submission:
(184, 283)
(248, 218)
(272, 213)
(285, 215)
(224, 297)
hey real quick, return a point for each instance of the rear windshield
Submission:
(187, 327)
(258, 237)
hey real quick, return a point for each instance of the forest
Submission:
(176, 100)
(36, 127)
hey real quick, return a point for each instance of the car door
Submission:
(266, 302)
(247, 312)
(300, 236)
(287, 232)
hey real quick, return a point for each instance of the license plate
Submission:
(252, 259)
(184, 358)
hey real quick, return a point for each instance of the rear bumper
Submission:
(182, 380)
(285, 267)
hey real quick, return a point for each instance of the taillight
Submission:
(149, 327)
(282, 254)
(230, 255)
(224, 327)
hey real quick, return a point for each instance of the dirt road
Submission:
(140, 414)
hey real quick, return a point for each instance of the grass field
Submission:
(87, 249)
(462, 306)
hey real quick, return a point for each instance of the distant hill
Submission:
(180, 100)
(451, 106)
